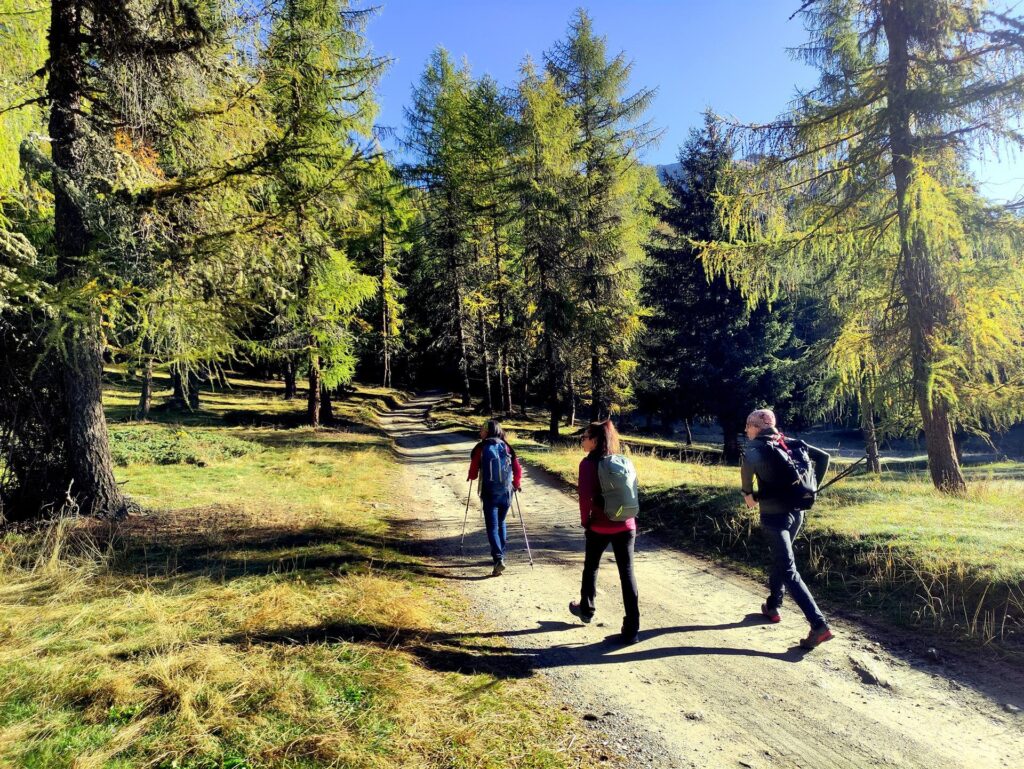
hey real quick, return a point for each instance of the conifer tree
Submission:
(437, 135)
(386, 227)
(320, 78)
(864, 191)
(713, 354)
(547, 185)
(611, 207)
(108, 65)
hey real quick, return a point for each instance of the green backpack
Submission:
(619, 487)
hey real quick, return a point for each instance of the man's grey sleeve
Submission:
(746, 477)
(821, 461)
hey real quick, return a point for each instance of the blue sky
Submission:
(730, 55)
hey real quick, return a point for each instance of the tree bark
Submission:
(177, 387)
(326, 407)
(488, 404)
(290, 388)
(146, 393)
(507, 406)
(315, 389)
(554, 386)
(194, 382)
(731, 441)
(524, 391)
(596, 385)
(570, 419)
(385, 334)
(689, 433)
(88, 445)
(925, 297)
(867, 426)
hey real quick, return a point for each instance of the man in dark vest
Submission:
(781, 519)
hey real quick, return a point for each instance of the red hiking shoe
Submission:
(772, 615)
(816, 638)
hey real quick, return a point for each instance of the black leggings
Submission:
(622, 546)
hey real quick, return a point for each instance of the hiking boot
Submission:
(772, 615)
(499, 567)
(627, 637)
(816, 637)
(577, 611)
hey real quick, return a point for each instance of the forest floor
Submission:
(709, 684)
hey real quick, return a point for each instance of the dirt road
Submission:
(709, 684)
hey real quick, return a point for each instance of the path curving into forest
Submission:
(709, 684)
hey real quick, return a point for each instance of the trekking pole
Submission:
(839, 476)
(523, 524)
(465, 518)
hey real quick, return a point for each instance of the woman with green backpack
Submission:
(608, 508)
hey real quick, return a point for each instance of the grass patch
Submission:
(263, 613)
(891, 543)
(164, 445)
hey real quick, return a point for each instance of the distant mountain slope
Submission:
(670, 169)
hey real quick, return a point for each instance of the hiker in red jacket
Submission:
(494, 460)
(599, 440)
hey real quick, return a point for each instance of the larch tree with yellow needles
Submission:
(863, 193)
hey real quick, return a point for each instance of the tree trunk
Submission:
(467, 398)
(488, 404)
(88, 445)
(595, 386)
(146, 394)
(867, 426)
(554, 386)
(925, 297)
(524, 391)
(570, 419)
(959, 436)
(315, 389)
(731, 441)
(290, 374)
(689, 433)
(385, 325)
(508, 386)
(178, 399)
(326, 407)
(194, 382)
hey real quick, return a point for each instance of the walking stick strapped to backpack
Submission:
(845, 473)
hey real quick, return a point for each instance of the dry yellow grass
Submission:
(264, 617)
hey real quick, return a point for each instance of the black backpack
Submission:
(795, 481)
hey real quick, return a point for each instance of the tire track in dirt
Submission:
(709, 684)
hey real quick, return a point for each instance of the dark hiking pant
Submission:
(781, 530)
(622, 546)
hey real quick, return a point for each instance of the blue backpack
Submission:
(495, 472)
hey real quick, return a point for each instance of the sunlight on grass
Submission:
(259, 614)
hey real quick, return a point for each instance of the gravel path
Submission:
(709, 684)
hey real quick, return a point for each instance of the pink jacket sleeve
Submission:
(517, 469)
(586, 486)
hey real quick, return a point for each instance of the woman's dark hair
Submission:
(606, 435)
(493, 428)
